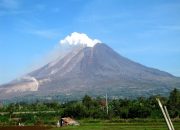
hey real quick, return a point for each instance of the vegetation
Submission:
(120, 126)
(102, 125)
(94, 108)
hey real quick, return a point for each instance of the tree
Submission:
(87, 101)
(174, 103)
(174, 98)
(76, 110)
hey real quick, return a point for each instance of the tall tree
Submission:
(174, 103)
(87, 101)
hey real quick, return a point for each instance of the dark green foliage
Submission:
(92, 108)
(87, 101)
(174, 103)
(28, 118)
(75, 110)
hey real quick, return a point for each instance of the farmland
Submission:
(103, 125)
(119, 124)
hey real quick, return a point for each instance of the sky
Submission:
(145, 31)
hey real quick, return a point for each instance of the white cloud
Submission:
(79, 39)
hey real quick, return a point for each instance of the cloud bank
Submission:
(79, 39)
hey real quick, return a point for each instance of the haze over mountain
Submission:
(90, 67)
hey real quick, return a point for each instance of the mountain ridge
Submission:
(94, 70)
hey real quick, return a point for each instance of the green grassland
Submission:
(99, 124)
(120, 126)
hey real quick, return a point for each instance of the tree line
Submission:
(90, 107)
(124, 108)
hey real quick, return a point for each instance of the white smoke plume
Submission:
(79, 39)
(35, 81)
(59, 51)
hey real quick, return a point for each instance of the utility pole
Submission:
(170, 122)
(166, 115)
(107, 108)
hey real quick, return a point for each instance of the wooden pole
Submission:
(164, 114)
(166, 111)
(107, 109)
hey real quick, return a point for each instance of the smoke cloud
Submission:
(79, 39)
(60, 50)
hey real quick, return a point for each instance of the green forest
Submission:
(90, 108)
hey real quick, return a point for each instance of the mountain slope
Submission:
(95, 71)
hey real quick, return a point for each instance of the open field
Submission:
(119, 126)
(103, 126)
(25, 128)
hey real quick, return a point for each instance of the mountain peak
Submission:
(92, 68)
(79, 39)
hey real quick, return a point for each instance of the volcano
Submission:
(95, 71)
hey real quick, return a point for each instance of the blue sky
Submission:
(146, 31)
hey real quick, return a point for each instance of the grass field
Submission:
(103, 126)
(120, 126)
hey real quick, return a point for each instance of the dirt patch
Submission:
(24, 128)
